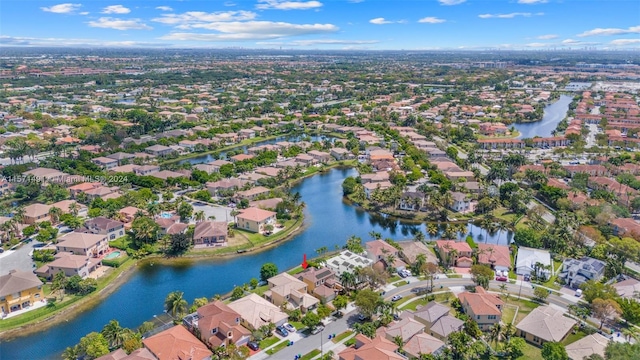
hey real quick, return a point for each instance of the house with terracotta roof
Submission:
(177, 343)
(545, 324)
(411, 249)
(484, 308)
(625, 227)
(219, 325)
(79, 188)
(377, 348)
(256, 312)
(19, 290)
(255, 219)
(138, 354)
(35, 213)
(253, 193)
(498, 257)
(210, 233)
(66, 205)
(171, 226)
(70, 265)
(379, 249)
(285, 290)
(83, 244)
(454, 252)
(423, 344)
(405, 328)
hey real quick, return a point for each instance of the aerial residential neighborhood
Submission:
(346, 204)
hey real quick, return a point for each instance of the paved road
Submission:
(17, 259)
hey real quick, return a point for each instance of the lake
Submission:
(553, 114)
(329, 222)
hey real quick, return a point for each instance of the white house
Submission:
(462, 204)
(347, 261)
(527, 259)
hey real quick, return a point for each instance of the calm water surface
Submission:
(329, 222)
(553, 114)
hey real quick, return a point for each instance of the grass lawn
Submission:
(400, 283)
(504, 215)
(342, 336)
(278, 347)
(298, 325)
(260, 290)
(394, 278)
(268, 342)
(524, 307)
(404, 300)
(454, 276)
(508, 313)
(310, 355)
(414, 304)
(296, 270)
(530, 352)
(571, 338)
(259, 239)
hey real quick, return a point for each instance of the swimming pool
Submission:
(112, 255)
(166, 215)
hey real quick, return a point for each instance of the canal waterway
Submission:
(553, 114)
(329, 222)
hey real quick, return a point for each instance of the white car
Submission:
(290, 328)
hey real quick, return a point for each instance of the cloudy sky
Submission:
(324, 24)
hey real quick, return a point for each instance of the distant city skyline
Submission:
(325, 24)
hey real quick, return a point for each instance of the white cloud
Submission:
(30, 41)
(624, 42)
(611, 31)
(229, 3)
(193, 18)
(84, 13)
(287, 5)
(431, 20)
(62, 8)
(164, 8)
(532, 1)
(508, 16)
(119, 24)
(380, 21)
(451, 2)
(547, 37)
(250, 30)
(538, 45)
(116, 9)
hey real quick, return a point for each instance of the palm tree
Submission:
(375, 235)
(421, 259)
(18, 214)
(494, 332)
(153, 209)
(348, 280)
(113, 333)
(175, 304)
(74, 208)
(54, 214)
(199, 216)
(138, 213)
(432, 229)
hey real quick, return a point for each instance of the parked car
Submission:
(280, 330)
(396, 297)
(579, 292)
(338, 314)
(317, 329)
(253, 345)
(362, 317)
(290, 328)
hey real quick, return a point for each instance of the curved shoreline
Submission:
(92, 300)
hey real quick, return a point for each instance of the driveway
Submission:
(18, 259)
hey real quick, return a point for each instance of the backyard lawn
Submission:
(530, 352)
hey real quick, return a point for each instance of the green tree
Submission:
(179, 243)
(184, 210)
(349, 186)
(554, 351)
(198, 303)
(622, 351)
(267, 271)
(515, 348)
(323, 311)
(527, 237)
(340, 302)
(596, 290)
(482, 274)
(311, 319)
(93, 345)
(605, 310)
(175, 304)
(540, 293)
(237, 293)
(144, 231)
(367, 302)
(112, 332)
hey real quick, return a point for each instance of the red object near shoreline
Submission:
(305, 265)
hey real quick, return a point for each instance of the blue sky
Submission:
(324, 24)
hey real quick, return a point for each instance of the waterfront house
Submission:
(411, 201)
(177, 343)
(19, 290)
(210, 233)
(320, 282)
(482, 307)
(138, 354)
(462, 203)
(253, 193)
(575, 272)
(159, 150)
(219, 325)
(83, 244)
(544, 324)
(320, 156)
(287, 291)
(171, 226)
(70, 265)
(379, 250)
(256, 312)
(347, 261)
(254, 219)
(101, 225)
(341, 154)
(411, 249)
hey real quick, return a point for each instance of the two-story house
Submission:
(83, 244)
(286, 290)
(462, 203)
(113, 229)
(70, 265)
(255, 219)
(455, 253)
(437, 320)
(576, 272)
(19, 290)
(484, 308)
(219, 325)
(320, 282)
